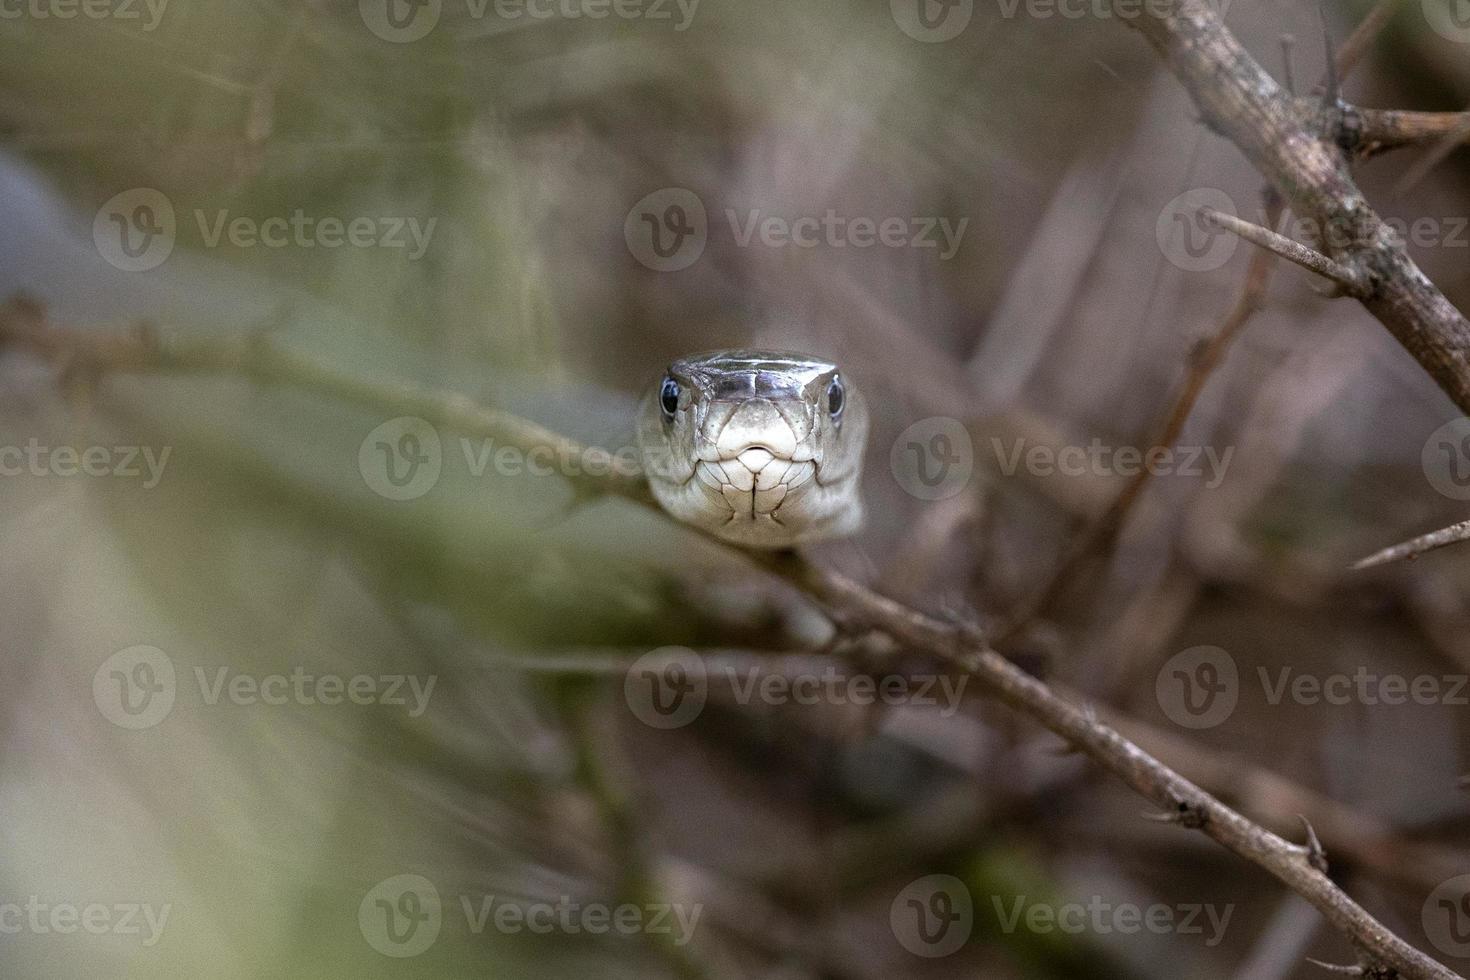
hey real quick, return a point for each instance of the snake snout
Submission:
(755, 424)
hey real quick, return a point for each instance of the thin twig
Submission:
(1413, 548)
(146, 347)
(1363, 36)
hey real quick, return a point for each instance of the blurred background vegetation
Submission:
(525, 141)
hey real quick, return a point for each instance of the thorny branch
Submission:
(100, 352)
(1300, 150)
(1415, 547)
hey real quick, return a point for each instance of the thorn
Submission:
(1352, 971)
(1332, 91)
(1316, 855)
(1288, 43)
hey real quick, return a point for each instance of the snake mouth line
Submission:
(756, 483)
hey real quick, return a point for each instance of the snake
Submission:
(759, 448)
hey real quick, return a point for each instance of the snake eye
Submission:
(836, 399)
(668, 398)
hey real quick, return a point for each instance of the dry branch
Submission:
(1300, 152)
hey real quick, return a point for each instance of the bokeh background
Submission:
(524, 147)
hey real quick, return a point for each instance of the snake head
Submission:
(760, 448)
